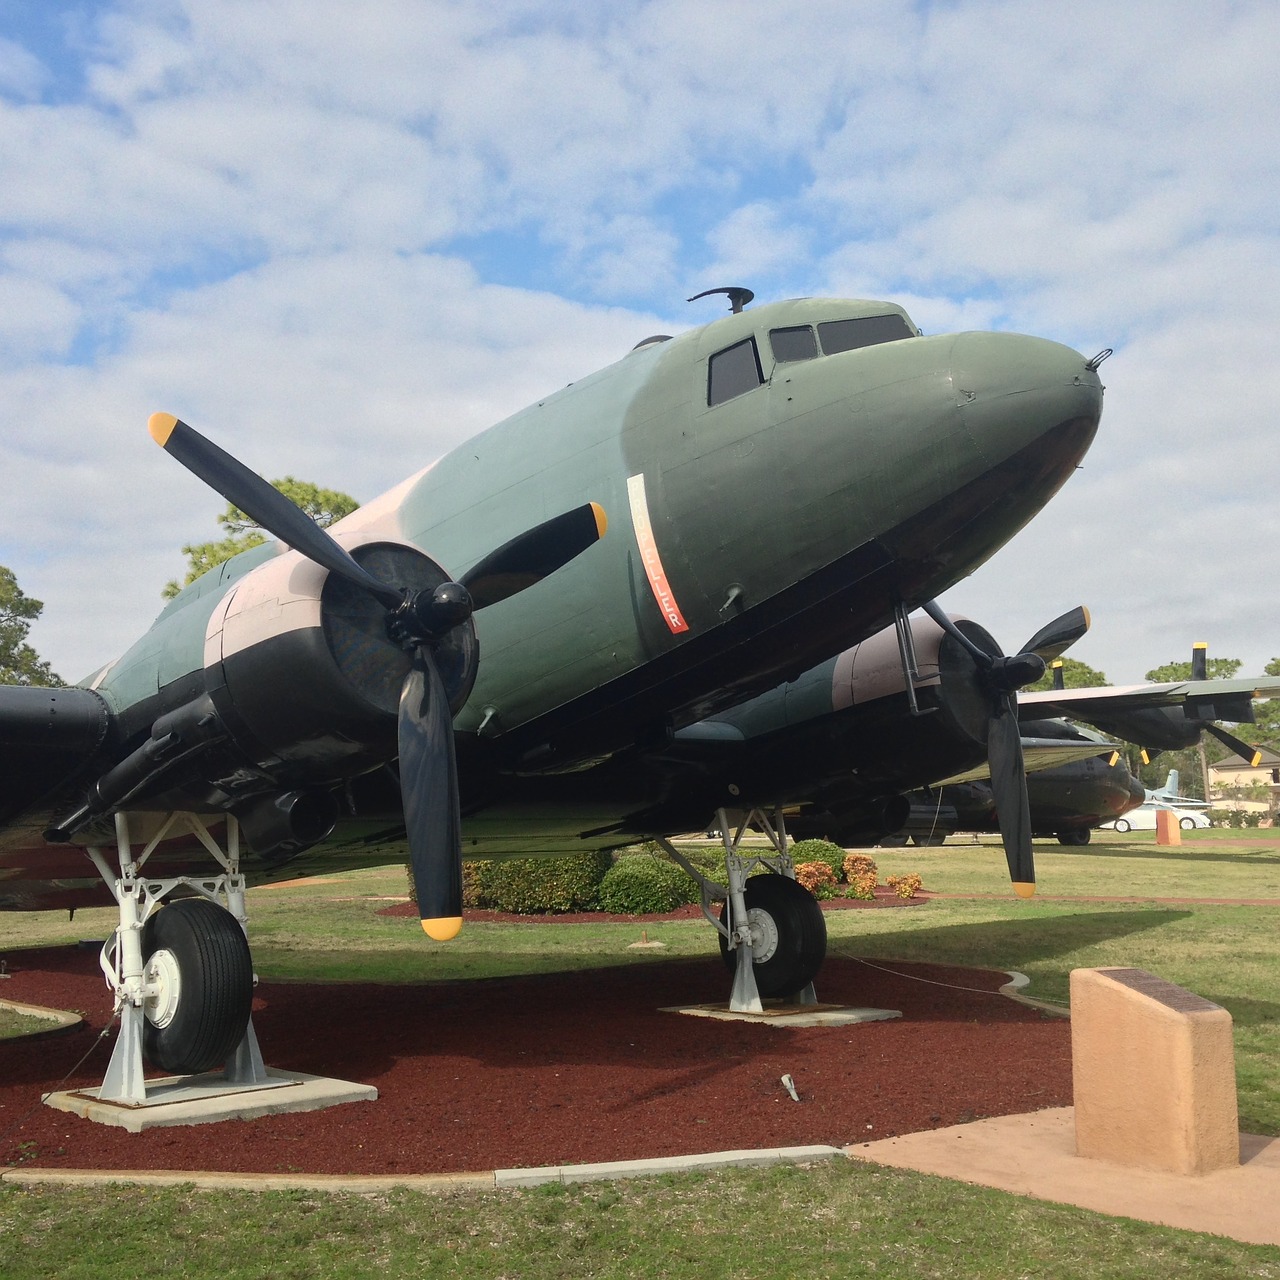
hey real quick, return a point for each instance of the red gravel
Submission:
(554, 1069)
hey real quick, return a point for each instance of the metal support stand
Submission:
(743, 933)
(137, 986)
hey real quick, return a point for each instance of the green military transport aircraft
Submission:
(666, 539)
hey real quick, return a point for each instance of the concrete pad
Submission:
(205, 1099)
(506, 1178)
(1034, 1155)
(788, 1015)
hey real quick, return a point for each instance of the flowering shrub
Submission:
(905, 886)
(859, 864)
(819, 851)
(862, 887)
(818, 878)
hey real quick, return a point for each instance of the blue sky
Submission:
(342, 238)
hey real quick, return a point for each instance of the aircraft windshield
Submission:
(866, 331)
(736, 370)
(733, 372)
(795, 343)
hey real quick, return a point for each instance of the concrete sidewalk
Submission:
(1034, 1155)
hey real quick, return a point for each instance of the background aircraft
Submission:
(639, 552)
(1164, 717)
(1169, 797)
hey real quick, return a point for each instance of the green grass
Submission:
(14, 1024)
(829, 1220)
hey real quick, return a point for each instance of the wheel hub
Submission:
(764, 935)
(163, 982)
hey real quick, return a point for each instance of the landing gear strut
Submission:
(181, 974)
(772, 934)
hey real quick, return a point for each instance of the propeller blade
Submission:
(429, 787)
(1232, 743)
(1009, 787)
(1200, 661)
(535, 554)
(1054, 639)
(261, 502)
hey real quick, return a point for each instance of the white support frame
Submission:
(741, 933)
(129, 979)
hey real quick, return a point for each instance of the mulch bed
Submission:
(553, 1069)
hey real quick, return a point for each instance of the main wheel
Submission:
(789, 935)
(930, 841)
(1121, 825)
(1187, 824)
(198, 957)
(1077, 836)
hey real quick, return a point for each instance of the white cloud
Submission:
(286, 220)
(21, 72)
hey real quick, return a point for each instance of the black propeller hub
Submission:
(428, 615)
(1016, 671)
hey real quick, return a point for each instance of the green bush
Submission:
(641, 884)
(820, 851)
(535, 886)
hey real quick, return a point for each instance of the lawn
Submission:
(829, 1220)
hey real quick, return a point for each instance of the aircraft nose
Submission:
(1013, 389)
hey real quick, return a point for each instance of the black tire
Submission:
(198, 1028)
(931, 841)
(1187, 824)
(1081, 835)
(801, 935)
(1121, 825)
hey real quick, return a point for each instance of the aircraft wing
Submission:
(1037, 754)
(1199, 697)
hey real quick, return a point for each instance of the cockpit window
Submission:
(796, 343)
(733, 372)
(866, 331)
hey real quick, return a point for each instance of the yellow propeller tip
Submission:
(602, 520)
(442, 928)
(161, 426)
(1023, 888)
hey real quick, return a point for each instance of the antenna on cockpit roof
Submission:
(737, 295)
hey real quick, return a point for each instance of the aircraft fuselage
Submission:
(771, 497)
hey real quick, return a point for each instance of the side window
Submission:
(867, 331)
(733, 371)
(797, 343)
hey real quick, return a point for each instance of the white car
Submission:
(1144, 819)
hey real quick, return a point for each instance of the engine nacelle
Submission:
(303, 673)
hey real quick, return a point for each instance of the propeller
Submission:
(420, 622)
(1252, 754)
(1200, 671)
(1001, 678)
